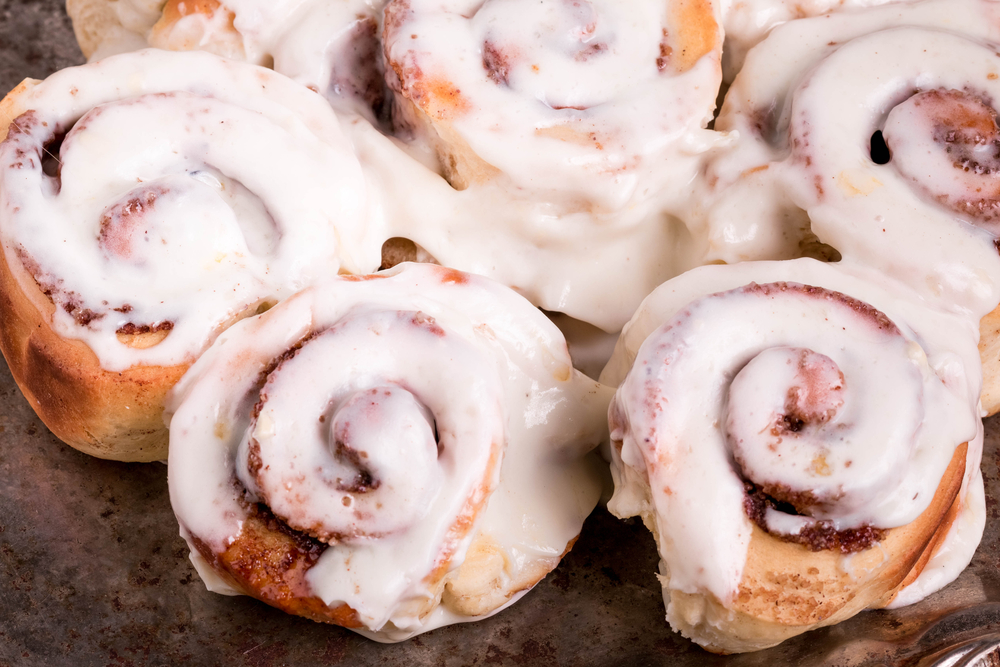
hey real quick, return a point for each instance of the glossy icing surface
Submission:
(586, 104)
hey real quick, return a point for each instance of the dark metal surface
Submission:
(92, 571)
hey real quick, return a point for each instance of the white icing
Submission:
(551, 251)
(695, 333)
(164, 210)
(527, 409)
(831, 455)
(786, 524)
(588, 233)
(330, 46)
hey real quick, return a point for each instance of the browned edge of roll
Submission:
(788, 589)
(111, 415)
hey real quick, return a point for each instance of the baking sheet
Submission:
(93, 572)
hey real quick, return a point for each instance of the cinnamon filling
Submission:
(818, 536)
(867, 312)
(123, 226)
(495, 63)
(960, 127)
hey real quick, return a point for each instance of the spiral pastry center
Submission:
(369, 450)
(948, 143)
(783, 408)
(797, 408)
(375, 429)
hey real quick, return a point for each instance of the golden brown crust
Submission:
(486, 580)
(696, 33)
(932, 547)
(112, 415)
(268, 561)
(432, 106)
(989, 353)
(788, 589)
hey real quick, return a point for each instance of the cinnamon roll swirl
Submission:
(588, 104)
(800, 441)
(389, 453)
(138, 219)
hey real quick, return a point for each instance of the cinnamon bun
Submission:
(389, 453)
(801, 440)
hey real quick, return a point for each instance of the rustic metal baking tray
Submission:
(93, 572)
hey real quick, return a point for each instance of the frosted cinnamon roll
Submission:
(330, 46)
(585, 104)
(877, 139)
(801, 440)
(146, 202)
(389, 453)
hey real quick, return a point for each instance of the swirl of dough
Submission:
(150, 199)
(410, 449)
(821, 441)
(947, 142)
(872, 137)
(591, 102)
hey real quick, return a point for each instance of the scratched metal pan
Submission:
(92, 571)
